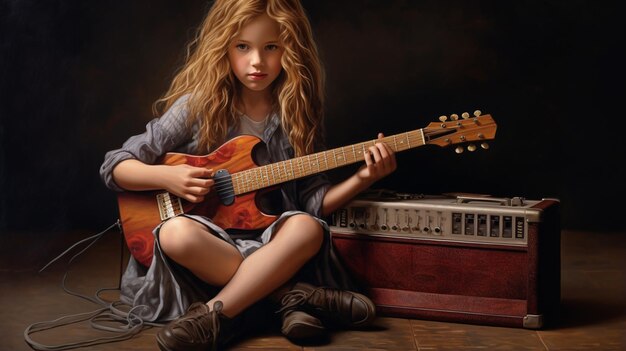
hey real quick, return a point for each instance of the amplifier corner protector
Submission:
(535, 216)
(533, 321)
(551, 199)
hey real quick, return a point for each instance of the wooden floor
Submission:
(593, 307)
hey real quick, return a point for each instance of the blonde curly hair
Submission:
(207, 77)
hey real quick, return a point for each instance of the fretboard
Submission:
(300, 167)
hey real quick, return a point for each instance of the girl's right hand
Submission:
(187, 182)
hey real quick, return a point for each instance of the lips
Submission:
(257, 75)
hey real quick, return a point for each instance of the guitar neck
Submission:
(300, 167)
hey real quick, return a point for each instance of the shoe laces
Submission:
(331, 299)
(204, 326)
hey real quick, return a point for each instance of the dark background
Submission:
(79, 77)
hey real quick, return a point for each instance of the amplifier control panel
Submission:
(464, 219)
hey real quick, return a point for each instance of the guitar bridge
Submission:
(169, 205)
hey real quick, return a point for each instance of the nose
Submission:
(256, 59)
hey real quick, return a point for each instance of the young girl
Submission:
(253, 69)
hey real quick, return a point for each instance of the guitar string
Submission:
(307, 167)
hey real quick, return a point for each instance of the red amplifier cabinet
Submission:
(479, 260)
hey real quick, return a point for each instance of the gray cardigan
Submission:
(165, 289)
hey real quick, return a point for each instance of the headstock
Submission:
(450, 131)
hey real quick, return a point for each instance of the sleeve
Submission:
(162, 135)
(311, 191)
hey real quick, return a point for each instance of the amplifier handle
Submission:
(516, 201)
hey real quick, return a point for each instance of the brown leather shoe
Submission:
(198, 329)
(301, 325)
(334, 307)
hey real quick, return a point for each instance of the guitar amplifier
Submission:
(468, 259)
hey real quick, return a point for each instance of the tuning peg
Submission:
(477, 113)
(454, 116)
(484, 146)
(465, 115)
(471, 147)
(458, 150)
(443, 118)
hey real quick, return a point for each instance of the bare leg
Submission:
(191, 245)
(297, 240)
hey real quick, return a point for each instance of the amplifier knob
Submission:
(426, 229)
(437, 230)
(383, 227)
(405, 229)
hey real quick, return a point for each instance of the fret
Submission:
(423, 137)
(256, 178)
(293, 176)
(343, 152)
(242, 182)
(408, 141)
(310, 169)
(280, 178)
(354, 152)
(273, 174)
(259, 177)
(301, 166)
(235, 183)
(284, 163)
(265, 177)
(395, 144)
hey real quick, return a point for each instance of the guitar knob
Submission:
(465, 115)
(443, 118)
(471, 147)
(484, 146)
(477, 113)
(458, 150)
(454, 116)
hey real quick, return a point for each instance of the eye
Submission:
(271, 47)
(241, 47)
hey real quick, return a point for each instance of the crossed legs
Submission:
(244, 282)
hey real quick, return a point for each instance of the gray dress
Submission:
(165, 289)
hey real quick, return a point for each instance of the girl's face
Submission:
(255, 54)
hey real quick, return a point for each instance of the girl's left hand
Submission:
(380, 161)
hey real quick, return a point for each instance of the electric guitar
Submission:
(232, 202)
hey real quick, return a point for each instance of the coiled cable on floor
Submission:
(100, 319)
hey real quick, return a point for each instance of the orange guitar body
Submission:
(139, 210)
